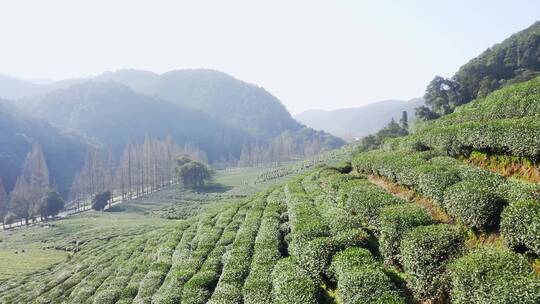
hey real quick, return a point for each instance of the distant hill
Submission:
(64, 153)
(206, 108)
(112, 114)
(351, 123)
(235, 102)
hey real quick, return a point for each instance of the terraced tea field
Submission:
(330, 235)
(410, 223)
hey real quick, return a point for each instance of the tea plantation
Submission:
(336, 234)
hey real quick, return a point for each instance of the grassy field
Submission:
(49, 243)
(28, 261)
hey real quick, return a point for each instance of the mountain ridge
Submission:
(356, 122)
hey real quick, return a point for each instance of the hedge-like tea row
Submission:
(519, 137)
(506, 121)
(198, 288)
(169, 290)
(473, 204)
(323, 187)
(158, 269)
(193, 252)
(237, 262)
(310, 238)
(424, 253)
(367, 201)
(292, 285)
(63, 290)
(472, 195)
(258, 285)
(493, 276)
(361, 280)
(514, 101)
(83, 284)
(395, 221)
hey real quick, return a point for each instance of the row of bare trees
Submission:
(26, 200)
(279, 149)
(143, 168)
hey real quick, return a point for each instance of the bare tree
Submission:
(3, 202)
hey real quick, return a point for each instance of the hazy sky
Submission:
(310, 54)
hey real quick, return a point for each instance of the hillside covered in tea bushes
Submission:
(341, 234)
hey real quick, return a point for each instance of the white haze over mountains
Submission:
(354, 123)
(311, 54)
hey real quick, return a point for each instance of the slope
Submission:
(64, 153)
(113, 115)
(504, 122)
(230, 100)
(514, 60)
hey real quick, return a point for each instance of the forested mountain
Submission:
(352, 123)
(514, 60)
(64, 153)
(255, 115)
(113, 115)
(240, 104)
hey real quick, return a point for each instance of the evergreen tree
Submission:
(20, 203)
(404, 121)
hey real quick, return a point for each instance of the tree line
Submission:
(392, 130)
(142, 168)
(285, 147)
(514, 60)
(32, 196)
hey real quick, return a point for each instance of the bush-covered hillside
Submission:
(326, 235)
(514, 60)
(504, 122)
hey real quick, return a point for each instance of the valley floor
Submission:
(38, 247)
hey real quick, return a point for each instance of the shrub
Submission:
(367, 201)
(345, 228)
(196, 290)
(434, 180)
(390, 298)
(226, 293)
(424, 254)
(492, 275)
(365, 285)
(361, 279)
(292, 285)
(314, 256)
(348, 259)
(396, 221)
(515, 190)
(99, 201)
(474, 205)
(520, 225)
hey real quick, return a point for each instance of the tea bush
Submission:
(361, 280)
(520, 225)
(424, 254)
(492, 275)
(474, 205)
(395, 221)
(292, 285)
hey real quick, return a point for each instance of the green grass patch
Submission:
(12, 263)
